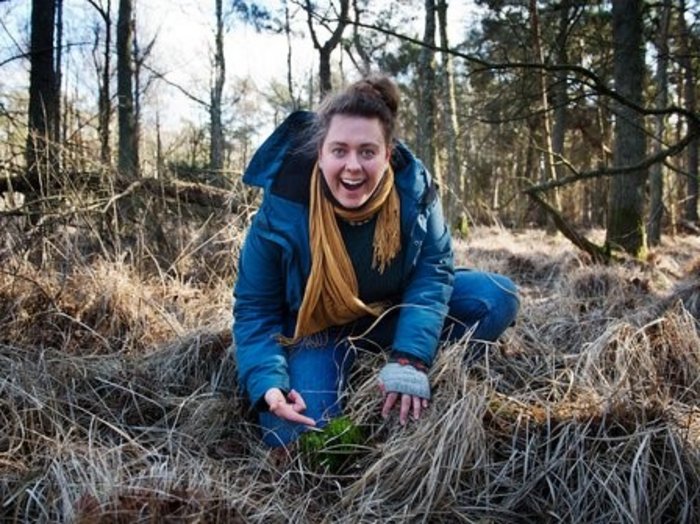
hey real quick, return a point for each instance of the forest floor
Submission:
(118, 402)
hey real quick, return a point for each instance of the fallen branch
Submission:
(187, 192)
(598, 254)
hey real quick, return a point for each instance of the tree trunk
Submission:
(325, 50)
(656, 174)
(366, 65)
(625, 228)
(160, 160)
(324, 71)
(138, 58)
(454, 180)
(548, 172)
(43, 110)
(216, 130)
(128, 131)
(560, 95)
(690, 210)
(59, 137)
(104, 104)
(601, 188)
(426, 78)
(295, 102)
(105, 96)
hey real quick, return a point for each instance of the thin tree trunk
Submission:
(128, 132)
(105, 96)
(560, 94)
(290, 83)
(625, 227)
(216, 131)
(426, 77)
(690, 209)
(601, 189)
(656, 174)
(138, 58)
(43, 102)
(366, 65)
(104, 104)
(325, 50)
(549, 172)
(160, 161)
(58, 136)
(454, 180)
(324, 71)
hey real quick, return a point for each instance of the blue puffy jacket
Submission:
(275, 261)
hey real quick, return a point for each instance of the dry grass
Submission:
(118, 402)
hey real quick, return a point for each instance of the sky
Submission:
(186, 27)
(185, 34)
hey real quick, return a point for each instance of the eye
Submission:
(338, 151)
(368, 154)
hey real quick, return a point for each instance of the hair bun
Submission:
(375, 96)
(383, 87)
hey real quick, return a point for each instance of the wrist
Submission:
(405, 379)
(271, 397)
(404, 359)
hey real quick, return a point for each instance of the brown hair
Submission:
(375, 96)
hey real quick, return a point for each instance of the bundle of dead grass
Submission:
(89, 436)
(102, 307)
(687, 292)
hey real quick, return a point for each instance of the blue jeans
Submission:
(485, 302)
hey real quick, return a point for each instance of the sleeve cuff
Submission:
(260, 405)
(403, 358)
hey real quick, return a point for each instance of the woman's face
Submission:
(353, 158)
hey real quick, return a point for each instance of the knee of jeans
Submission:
(506, 301)
(464, 314)
(499, 314)
(511, 304)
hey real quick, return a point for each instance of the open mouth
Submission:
(352, 185)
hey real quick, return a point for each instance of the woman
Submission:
(350, 230)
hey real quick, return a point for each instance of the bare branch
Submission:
(596, 173)
(592, 80)
(184, 91)
(597, 253)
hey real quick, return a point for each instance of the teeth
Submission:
(352, 183)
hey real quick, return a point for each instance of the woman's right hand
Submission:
(289, 407)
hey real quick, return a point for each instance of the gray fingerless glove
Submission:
(404, 379)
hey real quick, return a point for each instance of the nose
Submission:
(353, 162)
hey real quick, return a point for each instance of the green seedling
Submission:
(333, 448)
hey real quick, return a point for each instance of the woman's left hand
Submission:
(405, 387)
(406, 404)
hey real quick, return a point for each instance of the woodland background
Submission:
(564, 135)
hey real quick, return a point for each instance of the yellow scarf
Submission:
(331, 296)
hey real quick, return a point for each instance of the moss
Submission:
(335, 447)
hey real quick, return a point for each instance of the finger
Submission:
(425, 403)
(301, 419)
(388, 404)
(405, 407)
(382, 388)
(298, 401)
(279, 409)
(288, 413)
(416, 407)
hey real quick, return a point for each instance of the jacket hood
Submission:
(283, 163)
